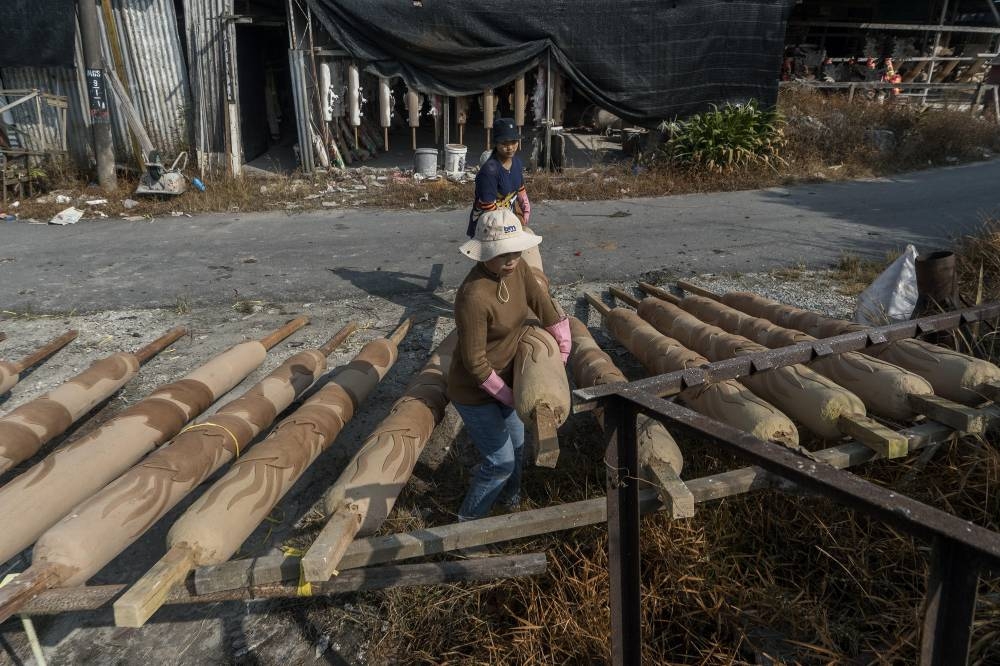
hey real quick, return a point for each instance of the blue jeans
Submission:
(498, 435)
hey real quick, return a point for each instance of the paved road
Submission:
(97, 265)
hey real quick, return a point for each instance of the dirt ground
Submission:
(335, 630)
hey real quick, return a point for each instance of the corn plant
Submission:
(735, 136)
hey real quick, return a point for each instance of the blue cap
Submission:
(504, 129)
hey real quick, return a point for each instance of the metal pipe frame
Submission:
(961, 551)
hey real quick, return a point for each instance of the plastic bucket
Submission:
(425, 161)
(454, 157)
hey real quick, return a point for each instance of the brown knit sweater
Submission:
(488, 330)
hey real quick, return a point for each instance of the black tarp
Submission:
(645, 60)
(37, 33)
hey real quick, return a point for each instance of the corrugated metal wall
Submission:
(203, 29)
(156, 70)
(157, 76)
(58, 81)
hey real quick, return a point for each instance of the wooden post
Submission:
(961, 418)
(546, 436)
(697, 291)
(46, 350)
(886, 442)
(324, 555)
(144, 598)
(674, 493)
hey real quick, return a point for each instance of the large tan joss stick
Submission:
(213, 528)
(361, 499)
(659, 455)
(953, 375)
(79, 545)
(29, 427)
(884, 387)
(37, 499)
(810, 398)
(727, 401)
(10, 371)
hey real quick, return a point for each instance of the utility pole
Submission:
(97, 95)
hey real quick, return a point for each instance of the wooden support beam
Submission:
(659, 293)
(959, 417)
(696, 290)
(545, 429)
(327, 550)
(63, 600)
(990, 391)
(507, 527)
(670, 489)
(151, 591)
(883, 440)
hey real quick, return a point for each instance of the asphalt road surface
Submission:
(278, 257)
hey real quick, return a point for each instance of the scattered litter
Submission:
(8, 217)
(15, 204)
(101, 214)
(292, 206)
(133, 218)
(249, 260)
(129, 204)
(309, 197)
(69, 216)
(263, 189)
(577, 253)
(96, 202)
(178, 213)
(426, 197)
(62, 199)
(330, 204)
(200, 186)
(360, 187)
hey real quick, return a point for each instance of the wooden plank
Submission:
(325, 553)
(990, 390)
(152, 590)
(959, 417)
(883, 440)
(64, 600)
(672, 492)
(545, 429)
(498, 529)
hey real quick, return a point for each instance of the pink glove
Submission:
(560, 331)
(498, 388)
(525, 205)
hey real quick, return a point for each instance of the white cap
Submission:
(498, 232)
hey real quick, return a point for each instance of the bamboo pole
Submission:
(364, 494)
(101, 527)
(213, 528)
(24, 431)
(38, 498)
(727, 401)
(10, 370)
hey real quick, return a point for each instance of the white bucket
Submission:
(454, 157)
(425, 161)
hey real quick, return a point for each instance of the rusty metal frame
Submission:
(961, 551)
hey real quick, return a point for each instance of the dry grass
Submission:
(826, 140)
(856, 273)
